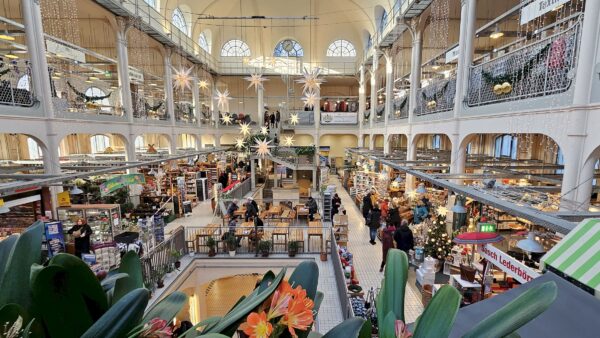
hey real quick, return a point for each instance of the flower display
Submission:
(402, 330)
(257, 326)
(156, 328)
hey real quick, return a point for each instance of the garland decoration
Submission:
(308, 150)
(402, 104)
(437, 93)
(4, 71)
(87, 98)
(153, 108)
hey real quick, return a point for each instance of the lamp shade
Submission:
(76, 191)
(529, 244)
(421, 189)
(459, 209)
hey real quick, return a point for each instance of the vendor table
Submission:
(274, 211)
(282, 229)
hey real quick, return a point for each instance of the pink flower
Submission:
(157, 328)
(402, 330)
(279, 304)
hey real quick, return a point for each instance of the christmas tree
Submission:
(438, 243)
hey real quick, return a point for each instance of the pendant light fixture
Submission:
(75, 191)
(530, 245)
(496, 34)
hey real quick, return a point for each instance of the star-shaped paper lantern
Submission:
(311, 80)
(272, 62)
(288, 141)
(239, 143)
(263, 148)
(226, 119)
(256, 81)
(311, 99)
(382, 175)
(412, 194)
(223, 100)
(245, 129)
(203, 84)
(264, 130)
(182, 78)
(442, 210)
(294, 119)
(395, 185)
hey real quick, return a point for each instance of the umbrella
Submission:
(479, 238)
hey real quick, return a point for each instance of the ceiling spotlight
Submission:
(93, 78)
(6, 37)
(496, 34)
(435, 67)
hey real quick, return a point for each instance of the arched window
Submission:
(341, 48)
(596, 167)
(24, 83)
(95, 91)
(151, 3)
(369, 42)
(288, 48)
(35, 152)
(506, 146)
(469, 149)
(383, 22)
(235, 48)
(204, 43)
(139, 143)
(436, 142)
(560, 159)
(178, 20)
(99, 143)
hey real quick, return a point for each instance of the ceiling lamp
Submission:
(496, 34)
(10, 56)
(435, 67)
(530, 245)
(93, 78)
(76, 191)
(6, 37)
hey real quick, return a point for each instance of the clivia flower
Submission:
(156, 328)
(299, 315)
(257, 326)
(402, 330)
(279, 304)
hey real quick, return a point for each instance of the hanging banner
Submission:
(538, 8)
(119, 182)
(63, 199)
(54, 238)
(339, 118)
(507, 263)
(64, 51)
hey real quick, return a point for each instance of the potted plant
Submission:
(176, 254)
(231, 242)
(160, 274)
(293, 248)
(211, 243)
(264, 247)
(467, 271)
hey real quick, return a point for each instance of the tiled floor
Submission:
(367, 257)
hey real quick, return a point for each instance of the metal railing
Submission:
(148, 108)
(161, 260)
(437, 97)
(288, 154)
(400, 108)
(16, 88)
(239, 191)
(340, 280)
(542, 68)
(305, 118)
(184, 113)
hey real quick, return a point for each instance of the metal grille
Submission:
(184, 113)
(543, 68)
(437, 97)
(148, 108)
(400, 108)
(16, 88)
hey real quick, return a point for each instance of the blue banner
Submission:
(54, 238)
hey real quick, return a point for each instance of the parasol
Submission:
(479, 238)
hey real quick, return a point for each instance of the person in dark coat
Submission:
(394, 215)
(404, 238)
(251, 209)
(367, 206)
(272, 117)
(277, 118)
(223, 179)
(82, 232)
(232, 208)
(336, 201)
(374, 223)
(312, 208)
(387, 241)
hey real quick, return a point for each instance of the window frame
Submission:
(436, 142)
(237, 45)
(296, 52)
(207, 45)
(34, 149)
(97, 141)
(506, 146)
(152, 3)
(337, 47)
(181, 24)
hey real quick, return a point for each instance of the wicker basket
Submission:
(426, 294)
(467, 273)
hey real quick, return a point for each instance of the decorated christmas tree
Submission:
(438, 243)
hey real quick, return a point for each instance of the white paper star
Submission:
(264, 130)
(226, 119)
(203, 84)
(294, 119)
(311, 80)
(382, 175)
(395, 184)
(442, 210)
(288, 141)
(223, 100)
(412, 194)
(263, 148)
(311, 99)
(245, 129)
(239, 143)
(256, 81)
(182, 78)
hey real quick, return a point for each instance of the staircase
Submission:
(267, 190)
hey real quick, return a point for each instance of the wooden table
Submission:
(203, 233)
(281, 229)
(274, 211)
(240, 212)
(315, 231)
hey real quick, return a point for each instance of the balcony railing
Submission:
(543, 68)
(146, 108)
(305, 118)
(160, 260)
(184, 113)
(15, 84)
(400, 108)
(437, 97)
(73, 93)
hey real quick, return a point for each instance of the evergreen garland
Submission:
(402, 103)
(4, 71)
(153, 108)
(516, 75)
(437, 93)
(308, 150)
(438, 243)
(87, 98)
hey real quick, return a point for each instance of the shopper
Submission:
(312, 208)
(336, 202)
(374, 223)
(367, 207)
(394, 215)
(81, 231)
(420, 213)
(267, 118)
(387, 241)
(277, 118)
(272, 117)
(233, 207)
(384, 208)
(276, 140)
(404, 238)
(251, 209)
(223, 179)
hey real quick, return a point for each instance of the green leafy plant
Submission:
(264, 247)
(307, 150)
(293, 248)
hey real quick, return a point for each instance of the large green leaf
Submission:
(306, 274)
(132, 266)
(246, 306)
(6, 247)
(109, 282)
(266, 280)
(192, 331)
(393, 286)
(366, 330)
(167, 308)
(349, 328)
(122, 317)
(27, 250)
(516, 313)
(438, 317)
(9, 314)
(387, 327)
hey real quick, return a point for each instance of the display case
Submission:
(102, 218)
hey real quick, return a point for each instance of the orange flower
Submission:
(299, 315)
(257, 326)
(279, 304)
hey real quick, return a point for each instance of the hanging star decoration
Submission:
(382, 175)
(226, 119)
(263, 148)
(239, 143)
(294, 119)
(412, 194)
(288, 141)
(223, 100)
(442, 210)
(310, 80)
(245, 129)
(182, 78)
(203, 84)
(395, 185)
(311, 99)
(256, 81)
(272, 62)
(264, 130)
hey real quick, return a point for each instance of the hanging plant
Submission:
(88, 98)
(436, 94)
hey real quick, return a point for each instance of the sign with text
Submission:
(64, 51)
(54, 238)
(63, 199)
(339, 118)
(452, 54)
(507, 263)
(538, 8)
(119, 182)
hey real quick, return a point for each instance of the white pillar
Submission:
(253, 172)
(389, 86)
(173, 144)
(415, 70)
(374, 88)
(196, 99)
(386, 144)
(372, 142)
(457, 157)
(362, 103)
(584, 191)
(361, 141)
(130, 149)
(123, 67)
(261, 105)
(465, 57)
(169, 97)
(317, 113)
(411, 155)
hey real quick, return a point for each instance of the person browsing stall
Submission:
(312, 207)
(81, 232)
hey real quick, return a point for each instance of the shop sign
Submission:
(538, 8)
(452, 54)
(487, 227)
(119, 182)
(63, 199)
(65, 51)
(135, 75)
(507, 263)
(339, 118)
(54, 238)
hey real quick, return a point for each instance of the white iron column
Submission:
(169, 97)
(411, 155)
(317, 113)
(253, 172)
(389, 86)
(123, 67)
(362, 104)
(457, 157)
(196, 99)
(573, 177)
(468, 16)
(374, 88)
(261, 105)
(386, 144)
(415, 69)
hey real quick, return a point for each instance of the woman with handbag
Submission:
(81, 232)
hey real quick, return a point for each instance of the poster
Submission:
(54, 238)
(63, 199)
(119, 182)
(339, 118)
(507, 263)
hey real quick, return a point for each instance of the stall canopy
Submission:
(577, 256)
(559, 320)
